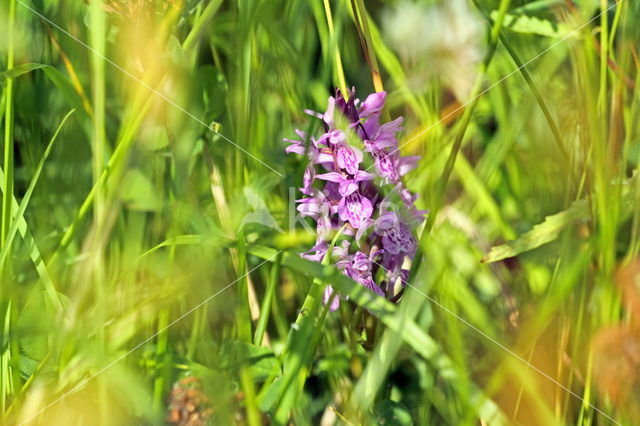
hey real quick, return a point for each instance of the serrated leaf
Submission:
(540, 234)
(526, 24)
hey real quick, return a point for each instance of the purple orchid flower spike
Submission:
(377, 220)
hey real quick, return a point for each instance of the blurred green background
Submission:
(149, 269)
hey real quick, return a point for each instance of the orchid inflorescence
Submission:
(374, 210)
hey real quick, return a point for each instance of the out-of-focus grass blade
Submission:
(25, 202)
(187, 240)
(485, 201)
(56, 77)
(20, 70)
(527, 77)
(281, 396)
(34, 251)
(412, 334)
(553, 225)
(395, 69)
(265, 310)
(201, 23)
(542, 233)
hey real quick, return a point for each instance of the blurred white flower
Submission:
(443, 40)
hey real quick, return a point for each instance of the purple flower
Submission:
(386, 165)
(355, 208)
(383, 136)
(307, 180)
(296, 146)
(314, 206)
(339, 192)
(362, 263)
(368, 283)
(317, 252)
(328, 293)
(348, 108)
(342, 251)
(348, 157)
(399, 240)
(396, 236)
(372, 105)
(406, 164)
(348, 184)
(360, 270)
(385, 222)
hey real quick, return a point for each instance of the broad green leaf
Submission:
(212, 87)
(153, 137)
(33, 323)
(176, 53)
(139, 193)
(338, 360)
(540, 234)
(260, 360)
(389, 412)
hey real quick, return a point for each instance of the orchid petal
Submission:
(332, 177)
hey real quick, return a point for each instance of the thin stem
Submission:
(336, 50)
(201, 24)
(8, 133)
(362, 25)
(274, 278)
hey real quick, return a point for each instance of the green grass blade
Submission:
(201, 24)
(385, 311)
(540, 234)
(27, 197)
(265, 310)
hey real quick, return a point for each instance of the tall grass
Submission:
(149, 272)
